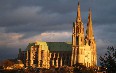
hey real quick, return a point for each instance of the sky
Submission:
(26, 21)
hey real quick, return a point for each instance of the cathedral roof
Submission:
(59, 46)
(53, 46)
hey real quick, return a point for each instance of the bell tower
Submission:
(90, 40)
(77, 38)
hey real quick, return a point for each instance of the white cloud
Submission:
(50, 37)
(14, 40)
(6, 39)
(56, 36)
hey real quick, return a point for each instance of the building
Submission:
(81, 50)
(47, 54)
(22, 56)
(83, 47)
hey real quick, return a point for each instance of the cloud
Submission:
(49, 37)
(7, 49)
(8, 38)
(20, 16)
(14, 40)
(56, 36)
(32, 19)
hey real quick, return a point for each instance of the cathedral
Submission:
(81, 50)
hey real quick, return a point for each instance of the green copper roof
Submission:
(59, 46)
(53, 46)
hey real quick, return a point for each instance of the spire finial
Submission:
(90, 14)
(78, 13)
(90, 17)
(78, 2)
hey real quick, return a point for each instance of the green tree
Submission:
(109, 60)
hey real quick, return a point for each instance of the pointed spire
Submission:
(78, 13)
(89, 26)
(90, 15)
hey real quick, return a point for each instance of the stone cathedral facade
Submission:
(48, 54)
(83, 46)
(81, 50)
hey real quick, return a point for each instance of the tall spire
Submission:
(78, 13)
(89, 31)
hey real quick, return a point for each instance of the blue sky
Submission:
(25, 21)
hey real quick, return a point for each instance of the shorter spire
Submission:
(90, 15)
(89, 30)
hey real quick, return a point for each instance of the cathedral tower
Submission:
(83, 47)
(90, 40)
(77, 38)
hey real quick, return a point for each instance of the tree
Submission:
(109, 60)
(79, 68)
(7, 63)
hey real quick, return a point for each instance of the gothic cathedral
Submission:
(81, 50)
(83, 47)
